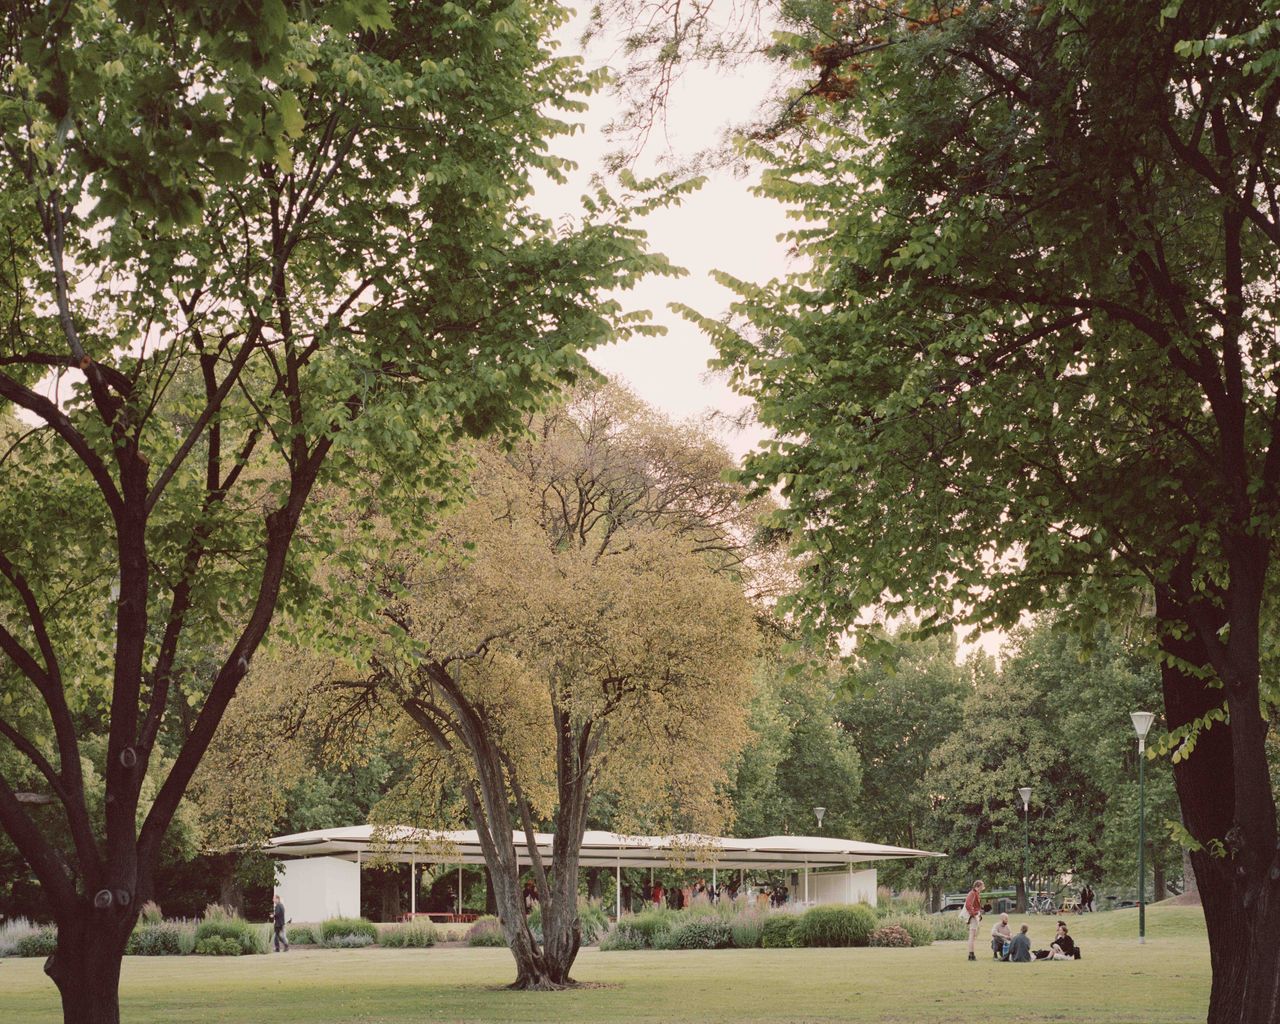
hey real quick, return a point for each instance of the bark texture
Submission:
(86, 965)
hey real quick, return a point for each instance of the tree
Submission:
(897, 711)
(580, 624)
(249, 254)
(1005, 741)
(1087, 691)
(799, 758)
(1030, 363)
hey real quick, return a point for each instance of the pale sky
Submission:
(720, 227)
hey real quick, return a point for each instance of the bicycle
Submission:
(1042, 903)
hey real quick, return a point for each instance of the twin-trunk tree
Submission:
(245, 257)
(582, 625)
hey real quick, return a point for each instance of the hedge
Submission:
(340, 927)
(835, 926)
(778, 931)
(414, 935)
(233, 929)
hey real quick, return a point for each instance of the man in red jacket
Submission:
(973, 908)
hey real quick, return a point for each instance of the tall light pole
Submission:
(1025, 793)
(1141, 725)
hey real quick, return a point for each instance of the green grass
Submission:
(1164, 982)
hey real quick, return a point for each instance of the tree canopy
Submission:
(579, 626)
(250, 255)
(1030, 359)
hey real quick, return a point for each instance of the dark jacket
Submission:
(1020, 949)
(279, 915)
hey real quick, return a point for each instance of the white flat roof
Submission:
(599, 849)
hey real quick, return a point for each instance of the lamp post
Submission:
(1025, 793)
(818, 813)
(1141, 725)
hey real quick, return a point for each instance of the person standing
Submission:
(277, 920)
(973, 910)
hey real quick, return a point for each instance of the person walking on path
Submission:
(973, 910)
(277, 920)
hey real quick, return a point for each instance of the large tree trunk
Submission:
(86, 965)
(1238, 887)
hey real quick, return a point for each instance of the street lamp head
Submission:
(1142, 722)
(819, 812)
(1025, 793)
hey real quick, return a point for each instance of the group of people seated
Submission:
(1017, 948)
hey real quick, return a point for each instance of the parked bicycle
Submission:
(1042, 903)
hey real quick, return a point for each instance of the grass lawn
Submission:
(1167, 980)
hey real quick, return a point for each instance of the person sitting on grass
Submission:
(1020, 948)
(1064, 946)
(1000, 937)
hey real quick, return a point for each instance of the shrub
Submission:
(339, 927)
(487, 931)
(778, 931)
(747, 930)
(162, 938)
(665, 940)
(216, 945)
(700, 933)
(40, 941)
(625, 935)
(915, 925)
(150, 913)
(948, 927)
(236, 929)
(649, 924)
(12, 932)
(909, 901)
(835, 926)
(349, 941)
(413, 935)
(621, 938)
(890, 935)
(301, 935)
(592, 921)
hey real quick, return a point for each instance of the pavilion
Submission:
(320, 876)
